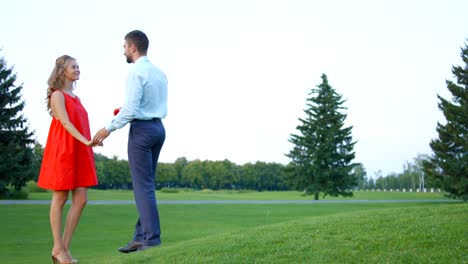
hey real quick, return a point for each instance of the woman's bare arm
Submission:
(57, 105)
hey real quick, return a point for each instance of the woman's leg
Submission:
(59, 198)
(80, 197)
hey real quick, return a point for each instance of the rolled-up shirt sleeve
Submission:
(133, 96)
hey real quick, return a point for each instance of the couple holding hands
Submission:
(68, 161)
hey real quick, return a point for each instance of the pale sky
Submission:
(240, 71)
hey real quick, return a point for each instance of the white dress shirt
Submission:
(145, 97)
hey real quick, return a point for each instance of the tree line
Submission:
(114, 173)
(411, 178)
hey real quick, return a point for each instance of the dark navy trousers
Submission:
(145, 140)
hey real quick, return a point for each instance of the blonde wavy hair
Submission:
(57, 79)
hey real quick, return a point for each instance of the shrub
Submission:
(32, 187)
(20, 195)
(169, 190)
(11, 193)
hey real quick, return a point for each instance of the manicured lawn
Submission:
(402, 235)
(247, 195)
(240, 233)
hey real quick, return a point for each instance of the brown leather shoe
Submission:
(131, 247)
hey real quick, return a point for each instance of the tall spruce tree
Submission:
(15, 138)
(323, 149)
(448, 166)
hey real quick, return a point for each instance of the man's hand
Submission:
(92, 144)
(100, 136)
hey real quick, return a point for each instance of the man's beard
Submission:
(129, 60)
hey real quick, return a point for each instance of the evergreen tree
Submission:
(361, 176)
(15, 138)
(38, 153)
(448, 166)
(323, 150)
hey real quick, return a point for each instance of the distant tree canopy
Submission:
(16, 141)
(448, 166)
(223, 174)
(412, 178)
(113, 173)
(323, 149)
(197, 174)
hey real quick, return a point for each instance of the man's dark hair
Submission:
(139, 39)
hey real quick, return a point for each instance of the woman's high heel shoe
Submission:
(55, 260)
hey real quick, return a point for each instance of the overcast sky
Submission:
(240, 71)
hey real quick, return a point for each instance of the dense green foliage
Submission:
(223, 174)
(448, 167)
(322, 154)
(228, 175)
(16, 154)
(113, 173)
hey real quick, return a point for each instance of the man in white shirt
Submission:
(145, 105)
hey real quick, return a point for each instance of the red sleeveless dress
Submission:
(67, 163)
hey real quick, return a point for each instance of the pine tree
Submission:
(38, 153)
(448, 166)
(15, 137)
(323, 150)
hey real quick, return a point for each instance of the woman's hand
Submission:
(91, 143)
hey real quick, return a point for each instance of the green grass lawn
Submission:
(403, 235)
(249, 233)
(247, 195)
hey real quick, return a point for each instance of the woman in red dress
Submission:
(68, 161)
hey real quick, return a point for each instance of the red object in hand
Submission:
(116, 111)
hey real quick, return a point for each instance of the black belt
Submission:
(152, 119)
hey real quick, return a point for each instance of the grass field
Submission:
(251, 233)
(247, 195)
